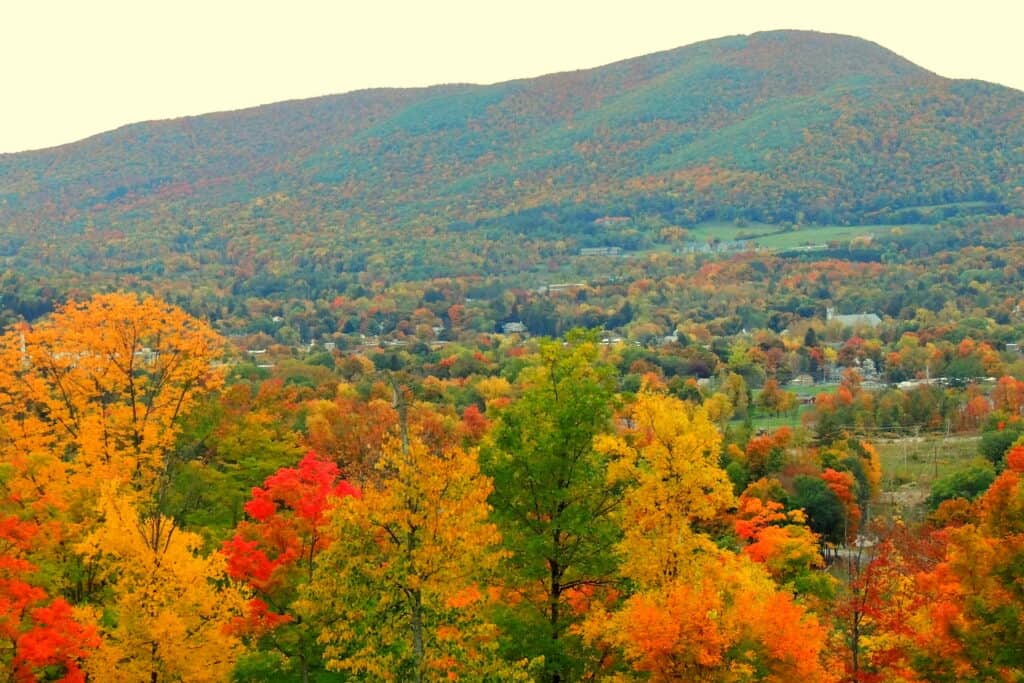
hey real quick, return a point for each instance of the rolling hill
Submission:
(383, 185)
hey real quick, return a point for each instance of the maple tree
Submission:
(876, 611)
(783, 543)
(100, 384)
(969, 624)
(697, 612)
(725, 622)
(350, 431)
(405, 580)
(167, 608)
(40, 636)
(668, 457)
(276, 552)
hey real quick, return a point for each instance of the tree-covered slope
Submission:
(777, 127)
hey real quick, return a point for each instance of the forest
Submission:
(173, 510)
(700, 366)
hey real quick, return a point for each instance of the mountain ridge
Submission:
(779, 127)
(383, 89)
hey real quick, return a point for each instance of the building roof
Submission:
(855, 319)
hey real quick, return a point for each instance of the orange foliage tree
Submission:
(97, 388)
(698, 612)
(970, 624)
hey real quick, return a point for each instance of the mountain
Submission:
(314, 195)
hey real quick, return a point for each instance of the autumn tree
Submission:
(275, 553)
(100, 384)
(774, 399)
(552, 500)
(40, 636)
(876, 610)
(403, 586)
(668, 459)
(969, 627)
(168, 607)
(230, 441)
(349, 430)
(783, 543)
(696, 612)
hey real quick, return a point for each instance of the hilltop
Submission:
(781, 127)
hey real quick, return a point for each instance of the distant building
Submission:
(853, 320)
(601, 251)
(146, 355)
(803, 380)
(514, 328)
(561, 287)
(612, 220)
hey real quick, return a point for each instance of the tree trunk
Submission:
(417, 635)
(554, 598)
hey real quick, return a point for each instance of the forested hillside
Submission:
(782, 127)
(702, 366)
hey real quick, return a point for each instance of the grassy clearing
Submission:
(771, 422)
(831, 233)
(770, 236)
(730, 231)
(921, 460)
(910, 465)
(812, 390)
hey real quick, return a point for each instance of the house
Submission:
(853, 320)
(514, 328)
(803, 380)
(601, 251)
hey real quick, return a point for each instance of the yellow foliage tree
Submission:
(699, 613)
(93, 392)
(403, 581)
(171, 608)
(669, 457)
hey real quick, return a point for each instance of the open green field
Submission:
(793, 419)
(812, 390)
(770, 422)
(831, 233)
(910, 465)
(729, 231)
(921, 460)
(770, 236)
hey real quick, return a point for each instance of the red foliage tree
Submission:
(275, 552)
(38, 636)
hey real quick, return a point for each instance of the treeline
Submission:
(166, 516)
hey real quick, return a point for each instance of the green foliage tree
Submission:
(824, 509)
(552, 502)
(968, 483)
(994, 444)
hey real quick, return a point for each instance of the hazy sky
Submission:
(79, 67)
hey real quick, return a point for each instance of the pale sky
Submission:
(79, 67)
